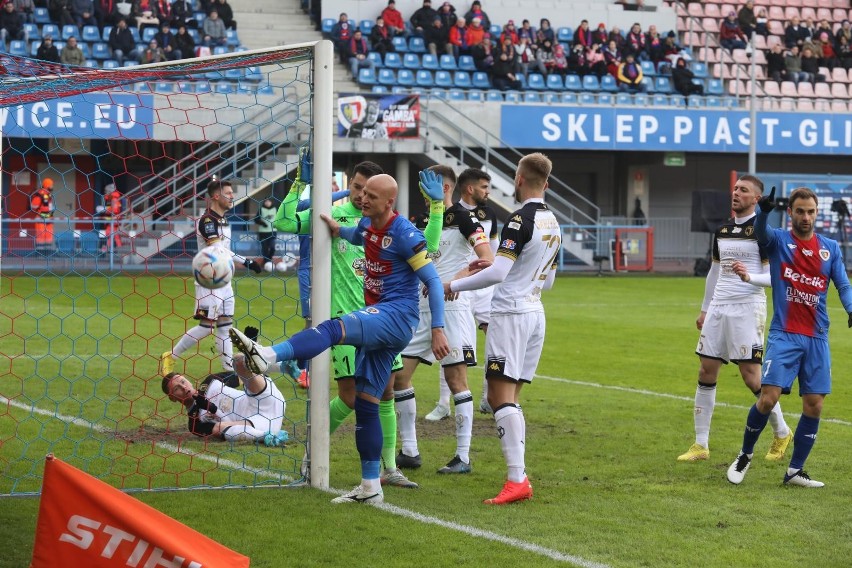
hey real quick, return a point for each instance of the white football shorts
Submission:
(213, 304)
(513, 345)
(460, 329)
(733, 332)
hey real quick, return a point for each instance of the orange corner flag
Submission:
(83, 521)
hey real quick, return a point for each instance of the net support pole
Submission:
(321, 255)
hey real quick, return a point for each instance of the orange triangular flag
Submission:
(83, 521)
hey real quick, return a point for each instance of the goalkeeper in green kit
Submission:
(347, 277)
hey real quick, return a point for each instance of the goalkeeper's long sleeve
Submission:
(288, 219)
(434, 226)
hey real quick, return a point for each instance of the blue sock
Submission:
(803, 440)
(309, 343)
(755, 423)
(368, 437)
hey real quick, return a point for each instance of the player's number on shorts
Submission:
(552, 241)
(766, 364)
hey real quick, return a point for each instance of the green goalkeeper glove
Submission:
(432, 188)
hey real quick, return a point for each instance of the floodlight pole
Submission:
(752, 139)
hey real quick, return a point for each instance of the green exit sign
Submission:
(674, 159)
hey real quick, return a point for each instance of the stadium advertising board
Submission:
(700, 130)
(94, 115)
(378, 116)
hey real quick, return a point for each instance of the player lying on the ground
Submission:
(218, 409)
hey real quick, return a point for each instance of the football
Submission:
(213, 267)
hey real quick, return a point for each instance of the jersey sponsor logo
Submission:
(341, 246)
(724, 231)
(516, 218)
(736, 230)
(374, 238)
(209, 227)
(375, 266)
(386, 242)
(790, 274)
(358, 266)
(448, 218)
(508, 244)
(795, 296)
(371, 310)
(807, 252)
(749, 231)
(480, 213)
(433, 255)
(514, 225)
(791, 246)
(824, 254)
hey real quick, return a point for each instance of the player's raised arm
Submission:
(290, 219)
(765, 235)
(434, 190)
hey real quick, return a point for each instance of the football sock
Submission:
(464, 424)
(803, 440)
(510, 422)
(191, 338)
(338, 411)
(755, 423)
(387, 418)
(223, 343)
(368, 438)
(776, 420)
(705, 401)
(406, 405)
(443, 389)
(308, 343)
(245, 433)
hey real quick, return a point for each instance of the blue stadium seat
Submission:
(266, 90)
(109, 64)
(243, 88)
(203, 87)
(33, 48)
(400, 90)
(387, 77)
(18, 47)
(715, 87)
(495, 30)
(411, 61)
(148, 34)
(551, 98)
(254, 75)
(70, 30)
(457, 95)
(555, 82)
(84, 47)
(481, 81)
(605, 98)
(225, 88)
(591, 83)
(400, 45)
(448, 62)
(366, 76)
(327, 24)
(650, 87)
(393, 60)
(564, 35)
(134, 31)
(218, 50)
(678, 100)
(405, 77)
(41, 16)
(640, 99)
(89, 241)
(366, 26)
(53, 31)
(660, 100)
(231, 38)
(142, 87)
(376, 58)
(65, 243)
(695, 101)
(199, 18)
(91, 64)
(443, 79)
(234, 74)
(466, 63)
(104, 32)
(532, 97)
(91, 34)
(476, 95)
(442, 94)
(461, 79)
(185, 87)
(663, 85)
(713, 102)
(430, 62)
(417, 45)
(569, 98)
(608, 84)
(512, 96)
(573, 83)
(648, 68)
(699, 69)
(494, 96)
(196, 36)
(166, 87)
(379, 89)
(588, 99)
(624, 99)
(424, 78)
(32, 32)
(535, 81)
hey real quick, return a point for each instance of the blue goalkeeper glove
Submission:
(767, 204)
(305, 169)
(432, 188)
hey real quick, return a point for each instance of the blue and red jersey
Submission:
(800, 272)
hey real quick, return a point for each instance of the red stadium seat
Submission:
(823, 91)
(839, 75)
(771, 89)
(788, 89)
(805, 89)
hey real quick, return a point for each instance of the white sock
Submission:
(779, 425)
(372, 486)
(245, 433)
(191, 338)
(406, 408)
(223, 343)
(443, 388)
(268, 354)
(705, 401)
(510, 428)
(484, 389)
(464, 424)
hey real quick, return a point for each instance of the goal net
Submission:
(96, 281)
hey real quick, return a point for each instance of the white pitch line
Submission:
(471, 531)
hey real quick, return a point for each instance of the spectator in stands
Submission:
(811, 27)
(214, 30)
(731, 37)
(509, 30)
(437, 37)
(635, 43)
(476, 32)
(575, 62)
(145, 14)
(826, 55)
(762, 23)
(422, 18)
(183, 14)
(630, 75)
(83, 12)
(153, 53)
(393, 19)
(47, 51)
(72, 54)
(612, 57)
(600, 35)
(528, 32)
(824, 26)
(447, 12)
(595, 60)
(654, 46)
(357, 54)
(793, 64)
(381, 37)
(527, 61)
(502, 73)
(844, 52)
(184, 43)
(60, 12)
(845, 30)
(775, 66)
(11, 24)
(121, 42)
(672, 51)
(582, 35)
(615, 35)
(682, 77)
(476, 11)
(26, 9)
(341, 33)
(103, 13)
(545, 32)
(226, 13)
(458, 38)
(544, 55)
(795, 34)
(746, 18)
(168, 43)
(810, 65)
(483, 55)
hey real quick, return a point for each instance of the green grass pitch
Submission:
(606, 417)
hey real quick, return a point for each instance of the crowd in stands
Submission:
(125, 31)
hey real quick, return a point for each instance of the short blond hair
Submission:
(535, 168)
